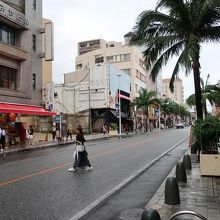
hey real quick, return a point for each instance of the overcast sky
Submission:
(79, 20)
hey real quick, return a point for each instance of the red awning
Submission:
(24, 109)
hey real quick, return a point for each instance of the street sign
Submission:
(157, 112)
(117, 108)
(57, 118)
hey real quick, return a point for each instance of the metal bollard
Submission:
(150, 214)
(181, 173)
(172, 195)
(187, 162)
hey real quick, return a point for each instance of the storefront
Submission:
(15, 119)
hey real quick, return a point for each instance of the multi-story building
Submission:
(101, 69)
(177, 94)
(20, 50)
(20, 63)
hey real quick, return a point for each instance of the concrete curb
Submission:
(84, 213)
(155, 202)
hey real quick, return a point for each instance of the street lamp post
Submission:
(119, 102)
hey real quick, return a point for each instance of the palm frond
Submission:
(158, 63)
(151, 24)
(176, 8)
(210, 34)
(191, 100)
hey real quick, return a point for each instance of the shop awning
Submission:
(123, 115)
(24, 109)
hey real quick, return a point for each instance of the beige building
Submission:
(126, 58)
(177, 94)
(101, 68)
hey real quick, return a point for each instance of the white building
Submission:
(95, 83)
(177, 94)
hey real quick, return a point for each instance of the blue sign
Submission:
(57, 119)
(117, 108)
(157, 112)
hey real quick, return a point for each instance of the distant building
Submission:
(126, 58)
(177, 94)
(95, 83)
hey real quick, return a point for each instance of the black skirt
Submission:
(82, 160)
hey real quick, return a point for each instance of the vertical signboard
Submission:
(49, 44)
(49, 96)
(114, 84)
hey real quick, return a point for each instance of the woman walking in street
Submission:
(81, 155)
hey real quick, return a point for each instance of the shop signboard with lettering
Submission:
(13, 15)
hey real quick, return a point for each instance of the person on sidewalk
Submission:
(3, 138)
(54, 132)
(30, 135)
(81, 155)
(104, 129)
(69, 133)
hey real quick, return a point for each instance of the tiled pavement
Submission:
(200, 194)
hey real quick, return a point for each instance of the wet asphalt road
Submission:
(36, 185)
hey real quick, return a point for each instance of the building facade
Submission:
(21, 67)
(20, 51)
(124, 57)
(178, 92)
(101, 69)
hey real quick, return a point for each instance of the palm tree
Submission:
(209, 92)
(165, 108)
(178, 32)
(144, 100)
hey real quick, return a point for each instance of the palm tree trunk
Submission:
(146, 123)
(198, 93)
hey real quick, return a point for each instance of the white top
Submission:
(3, 133)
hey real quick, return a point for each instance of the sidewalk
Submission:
(200, 194)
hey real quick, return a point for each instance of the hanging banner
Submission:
(49, 96)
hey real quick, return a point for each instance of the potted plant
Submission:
(113, 129)
(207, 132)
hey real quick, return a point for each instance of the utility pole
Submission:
(119, 102)
(89, 91)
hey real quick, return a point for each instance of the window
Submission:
(138, 74)
(7, 35)
(34, 81)
(79, 66)
(136, 88)
(109, 59)
(34, 4)
(7, 78)
(128, 71)
(127, 57)
(141, 63)
(34, 42)
(99, 60)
